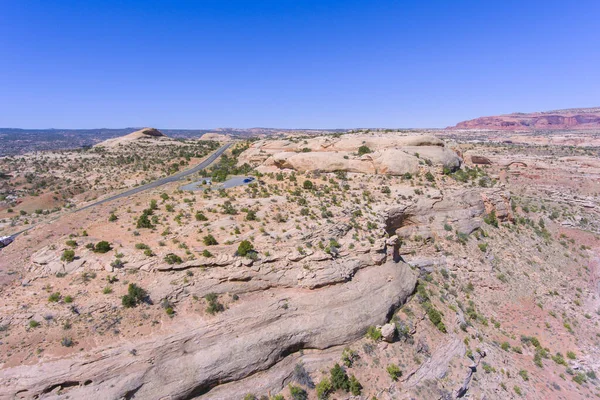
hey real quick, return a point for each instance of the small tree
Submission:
(339, 378)
(308, 185)
(173, 259)
(244, 248)
(144, 222)
(209, 240)
(68, 255)
(102, 247)
(134, 296)
(364, 150)
(201, 217)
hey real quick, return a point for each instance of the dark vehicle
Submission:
(5, 241)
(249, 179)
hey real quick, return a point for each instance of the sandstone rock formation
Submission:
(579, 118)
(387, 154)
(242, 342)
(144, 134)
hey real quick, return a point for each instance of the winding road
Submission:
(151, 185)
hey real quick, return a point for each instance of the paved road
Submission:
(151, 185)
(232, 182)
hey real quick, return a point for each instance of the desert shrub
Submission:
(209, 240)
(144, 222)
(436, 318)
(491, 219)
(324, 388)
(364, 150)
(67, 342)
(201, 217)
(173, 259)
(135, 295)
(394, 371)
(141, 246)
(524, 375)
(339, 378)
(68, 256)
(33, 323)
(71, 243)
(349, 356)
(213, 304)
(429, 176)
(206, 253)
(112, 217)
(373, 333)
(251, 215)
(308, 185)
(245, 248)
(68, 299)
(579, 378)
(571, 355)
(518, 390)
(102, 247)
(298, 393)
(354, 386)
(54, 297)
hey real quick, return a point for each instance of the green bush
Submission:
(102, 247)
(206, 253)
(339, 378)
(373, 333)
(524, 375)
(298, 393)
(429, 176)
(213, 304)
(134, 296)
(436, 318)
(209, 240)
(354, 386)
(68, 256)
(173, 259)
(201, 217)
(144, 222)
(364, 150)
(394, 371)
(491, 219)
(54, 297)
(308, 185)
(324, 389)
(244, 248)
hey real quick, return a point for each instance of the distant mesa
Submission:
(219, 137)
(144, 134)
(569, 119)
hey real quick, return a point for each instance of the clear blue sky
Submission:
(284, 63)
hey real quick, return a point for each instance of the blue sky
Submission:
(292, 64)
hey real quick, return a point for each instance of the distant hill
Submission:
(144, 134)
(573, 118)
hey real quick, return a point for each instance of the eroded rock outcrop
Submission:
(387, 154)
(229, 348)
